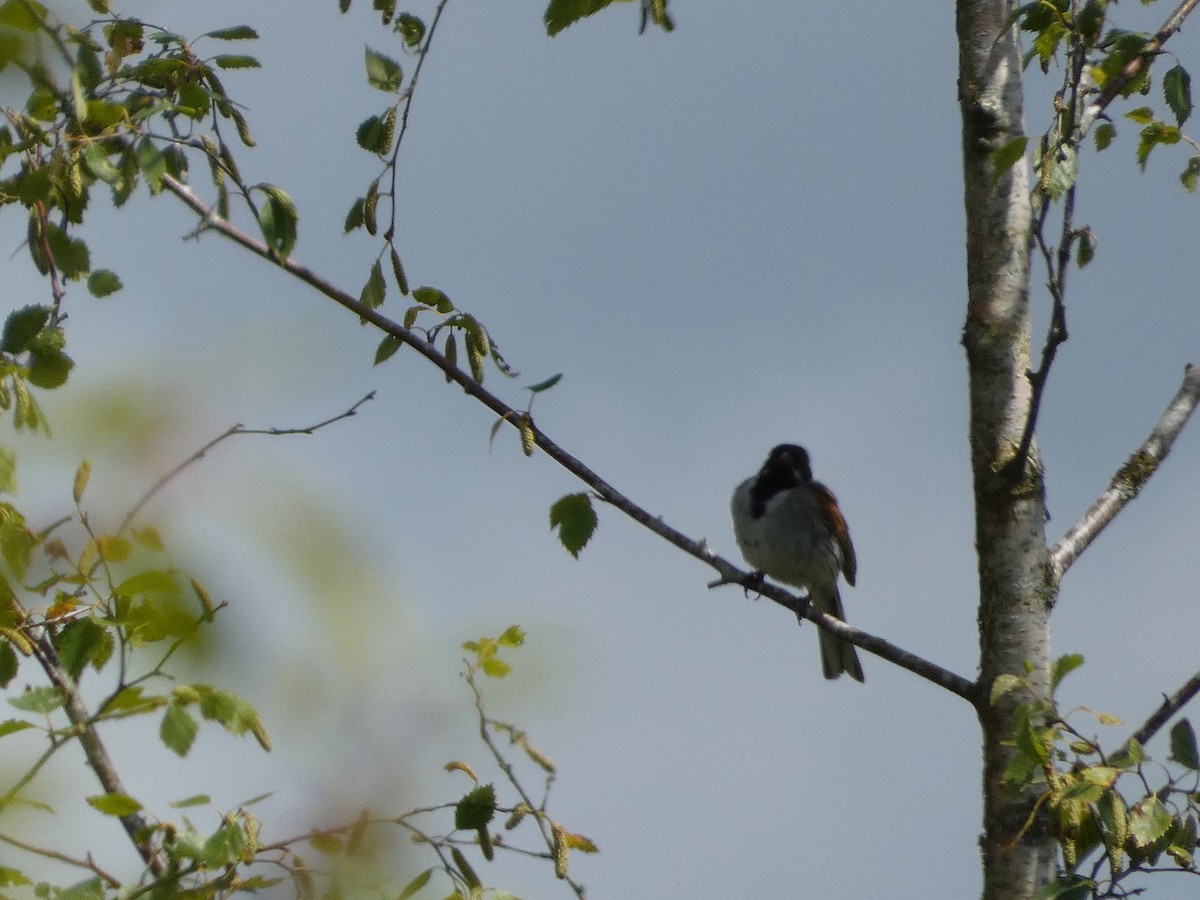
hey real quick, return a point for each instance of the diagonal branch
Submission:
(1128, 482)
(1153, 47)
(1170, 706)
(603, 490)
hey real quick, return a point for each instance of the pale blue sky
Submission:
(745, 232)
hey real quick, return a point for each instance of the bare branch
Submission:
(88, 863)
(1128, 482)
(1170, 706)
(228, 433)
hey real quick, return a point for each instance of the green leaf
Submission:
(1005, 157)
(1143, 115)
(1003, 684)
(98, 164)
(387, 348)
(151, 581)
(374, 290)
(8, 664)
(1183, 745)
(372, 136)
(178, 730)
(70, 254)
(12, 877)
(49, 369)
(42, 700)
(1062, 667)
(196, 800)
(8, 470)
(1086, 251)
(414, 886)
(236, 61)
(1151, 136)
(103, 282)
(77, 643)
(513, 636)
(354, 218)
(383, 72)
(278, 218)
(1148, 821)
(575, 519)
(12, 726)
(433, 297)
(411, 30)
(21, 326)
(561, 13)
(545, 385)
(1177, 90)
(114, 804)
(1190, 175)
(236, 33)
(344, 6)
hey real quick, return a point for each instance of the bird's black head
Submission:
(786, 467)
(789, 458)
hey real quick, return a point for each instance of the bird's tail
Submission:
(837, 656)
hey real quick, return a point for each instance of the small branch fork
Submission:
(153, 490)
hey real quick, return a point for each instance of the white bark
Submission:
(1016, 589)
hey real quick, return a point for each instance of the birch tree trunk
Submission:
(1016, 588)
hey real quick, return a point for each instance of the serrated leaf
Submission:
(411, 30)
(374, 290)
(383, 72)
(103, 282)
(119, 805)
(476, 809)
(179, 729)
(1148, 821)
(495, 667)
(387, 348)
(236, 61)
(1183, 745)
(1143, 115)
(42, 700)
(76, 644)
(1177, 90)
(372, 135)
(575, 520)
(97, 162)
(562, 13)
(22, 326)
(236, 33)
(1003, 684)
(49, 369)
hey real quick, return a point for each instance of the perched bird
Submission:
(790, 528)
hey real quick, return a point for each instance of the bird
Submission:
(790, 528)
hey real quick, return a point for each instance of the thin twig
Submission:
(228, 433)
(1132, 476)
(88, 863)
(603, 490)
